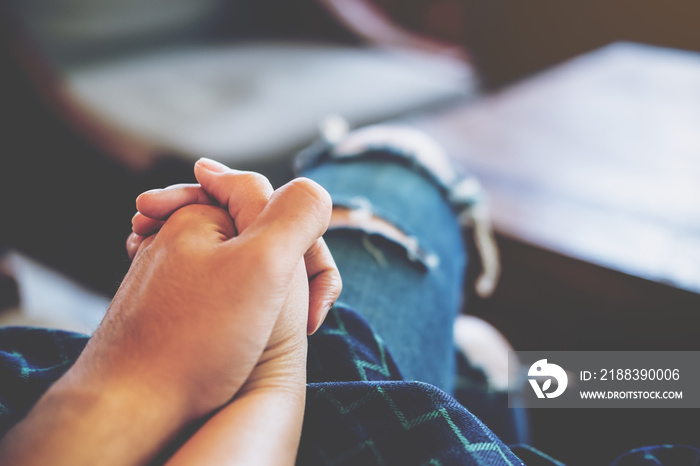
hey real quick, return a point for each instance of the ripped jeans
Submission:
(409, 289)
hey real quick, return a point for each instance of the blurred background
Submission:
(579, 117)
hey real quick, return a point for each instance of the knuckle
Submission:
(255, 178)
(183, 233)
(313, 194)
(190, 220)
(258, 184)
(251, 181)
(187, 214)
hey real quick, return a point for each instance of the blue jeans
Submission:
(409, 293)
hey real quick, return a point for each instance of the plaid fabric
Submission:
(31, 359)
(359, 410)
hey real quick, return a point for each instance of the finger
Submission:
(133, 243)
(199, 225)
(244, 194)
(159, 204)
(296, 216)
(144, 226)
(325, 283)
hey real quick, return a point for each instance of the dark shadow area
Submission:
(549, 302)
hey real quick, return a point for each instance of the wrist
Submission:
(262, 424)
(281, 368)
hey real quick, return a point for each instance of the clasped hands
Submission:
(238, 256)
(209, 324)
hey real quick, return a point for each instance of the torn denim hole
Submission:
(360, 214)
(415, 254)
(476, 217)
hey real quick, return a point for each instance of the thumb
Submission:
(297, 215)
(244, 194)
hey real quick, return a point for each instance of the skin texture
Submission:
(243, 194)
(211, 318)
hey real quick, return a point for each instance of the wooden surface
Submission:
(597, 160)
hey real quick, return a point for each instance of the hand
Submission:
(196, 263)
(183, 333)
(244, 194)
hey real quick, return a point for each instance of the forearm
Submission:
(87, 425)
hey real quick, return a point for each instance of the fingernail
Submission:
(149, 192)
(152, 191)
(130, 245)
(323, 319)
(318, 326)
(211, 165)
